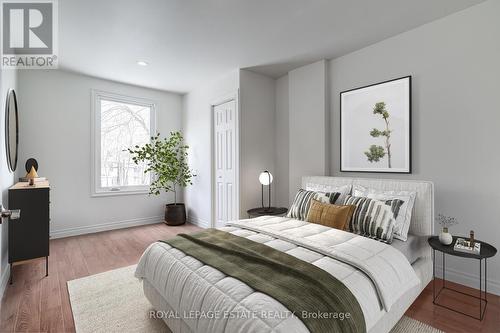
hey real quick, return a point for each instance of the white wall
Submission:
(281, 143)
(308, 106)
(8, 80)
(257, 140)
(456, 119)
(55, 127)
(256, 105)
(196, 122)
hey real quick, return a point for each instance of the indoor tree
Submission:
(166, 160)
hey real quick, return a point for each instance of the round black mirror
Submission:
(11, 129)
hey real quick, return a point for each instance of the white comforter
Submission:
(209, 301)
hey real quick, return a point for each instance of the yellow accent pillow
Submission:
(333, 216)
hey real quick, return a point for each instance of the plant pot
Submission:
(445, 237)
(175, 214)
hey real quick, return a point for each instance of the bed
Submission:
(385, 279)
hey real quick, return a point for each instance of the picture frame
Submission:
(375, 127)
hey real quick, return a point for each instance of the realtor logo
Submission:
(29, 34)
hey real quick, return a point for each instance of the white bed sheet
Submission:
(411, 248)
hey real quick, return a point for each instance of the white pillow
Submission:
(404, 216)
(344, 190)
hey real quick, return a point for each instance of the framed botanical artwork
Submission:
(375, 127)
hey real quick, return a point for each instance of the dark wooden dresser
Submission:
(29, 235)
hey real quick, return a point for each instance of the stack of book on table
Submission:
(464, 245)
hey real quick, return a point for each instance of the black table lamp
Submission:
(265, 178)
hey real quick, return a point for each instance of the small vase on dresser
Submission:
(445, 237)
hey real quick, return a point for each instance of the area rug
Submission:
(113, 301)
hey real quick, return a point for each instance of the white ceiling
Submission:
(187, 42)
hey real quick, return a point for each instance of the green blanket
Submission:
(323, 303)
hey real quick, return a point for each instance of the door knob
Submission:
(13, 214)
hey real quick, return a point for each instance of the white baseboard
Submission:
(468, 279)
(60, 233)
(199, 222)
(4, 280)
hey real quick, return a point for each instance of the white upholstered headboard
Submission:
(422, 221)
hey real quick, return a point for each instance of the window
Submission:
(120, 122)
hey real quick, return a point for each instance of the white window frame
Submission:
(95, 169)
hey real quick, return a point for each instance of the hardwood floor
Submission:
(423, 309)
(35, 303)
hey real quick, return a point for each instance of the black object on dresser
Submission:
(487, 251)
(29, 235)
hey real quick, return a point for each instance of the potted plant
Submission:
(166, 160)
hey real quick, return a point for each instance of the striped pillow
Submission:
(302, 202)
(404, 212)
(372, 218)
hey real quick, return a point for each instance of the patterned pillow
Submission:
(372, 218)
(404, 212)
(395, 205)
(302, 202)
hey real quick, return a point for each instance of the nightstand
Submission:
(487, 251)
(262, 211)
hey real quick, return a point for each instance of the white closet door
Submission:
(225, 162)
